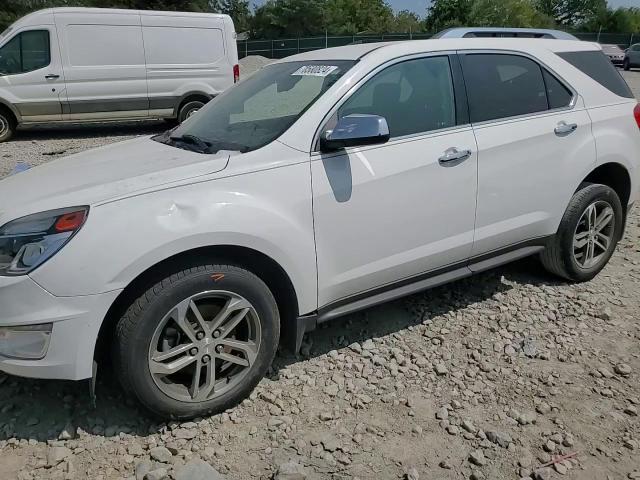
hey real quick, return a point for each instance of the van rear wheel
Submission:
(7, 125)
(189, 109)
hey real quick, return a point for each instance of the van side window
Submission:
(501, 86)
(414, 96)
(25, 52)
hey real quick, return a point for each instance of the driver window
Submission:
(25, 52)
(414, 96)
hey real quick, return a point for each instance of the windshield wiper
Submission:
(201, 145)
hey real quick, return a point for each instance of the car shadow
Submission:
(40, 409)
(90, 130)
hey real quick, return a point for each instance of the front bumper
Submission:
(76, 323)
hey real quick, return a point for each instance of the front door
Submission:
(31, 76)
(386, 213)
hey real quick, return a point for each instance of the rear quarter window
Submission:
(596, 65)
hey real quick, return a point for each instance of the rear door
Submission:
(533, 135)
(634, 55)
(31, 75)
(103, 59)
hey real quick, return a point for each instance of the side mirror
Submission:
(355, 130)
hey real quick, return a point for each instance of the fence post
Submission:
(298, 44)
(326, 39)
(271, 48)
(246, 48)
(631, 40)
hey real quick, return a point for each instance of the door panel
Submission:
(526, 176)
(393, 211)
(34, 80)
(104, 65)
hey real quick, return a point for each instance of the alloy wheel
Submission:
(4, 126)
(594, 234)
(204, 346)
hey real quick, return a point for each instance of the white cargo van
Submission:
(93, 64)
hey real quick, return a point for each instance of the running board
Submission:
(387, 293)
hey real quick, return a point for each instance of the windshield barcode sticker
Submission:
(315, 70)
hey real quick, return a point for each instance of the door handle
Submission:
(564, 128)
(51, 76)
(454, 156)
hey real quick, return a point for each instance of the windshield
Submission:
(259, 109)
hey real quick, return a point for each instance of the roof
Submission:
(460, 32)
(354, 52)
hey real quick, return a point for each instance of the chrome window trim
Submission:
(542, 65)
(315, 144)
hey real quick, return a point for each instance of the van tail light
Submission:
(636, 114)
(236, 73)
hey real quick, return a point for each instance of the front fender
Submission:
(268, 211)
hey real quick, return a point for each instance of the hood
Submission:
(102, 174)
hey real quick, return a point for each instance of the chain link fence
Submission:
(280, 48)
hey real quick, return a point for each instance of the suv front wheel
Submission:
(198, 341)
(588, 234)
(7, 125)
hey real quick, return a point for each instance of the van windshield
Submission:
(259, 109)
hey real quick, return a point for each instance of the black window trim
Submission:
(18, 33)
(543, 66)
(459, 93)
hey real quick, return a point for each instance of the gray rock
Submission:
(529, 347)
(622, 369)
(157, 474)
(68, 432)
(477, 458)
(288, 471)
(142, 468)
(197, 470)
(412, 474)
(161, 454)
(55, 455)
(499, 438)
(442, 413)
(542, 473)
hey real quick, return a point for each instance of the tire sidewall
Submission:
(579, 203)
(237, 281)
(188, 107)
(4, 117)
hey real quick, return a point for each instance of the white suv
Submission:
(325, 183)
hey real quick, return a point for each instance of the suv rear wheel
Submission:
(198, 341)
(626, 64)
(588, 234)
(7, 125)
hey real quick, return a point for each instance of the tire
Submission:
(189, 109)
(559, 256)
(626, 64)
(7, 125)
(138, 349)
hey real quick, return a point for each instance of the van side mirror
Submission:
(355, 130)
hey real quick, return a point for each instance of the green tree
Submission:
(288, 18)
(571, 13)
(622, 20)
(238, 10)
(507, 13)
(447, 13)
(406, 22)
(349, 17)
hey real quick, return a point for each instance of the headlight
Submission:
(28, 242)
(27, 342)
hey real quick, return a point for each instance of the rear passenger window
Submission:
(414, 96)
(558, 95)
(501, 86)
(599, 67)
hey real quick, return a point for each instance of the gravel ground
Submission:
(485, 378)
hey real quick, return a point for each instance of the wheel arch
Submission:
(617, 177)
(262, 265)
